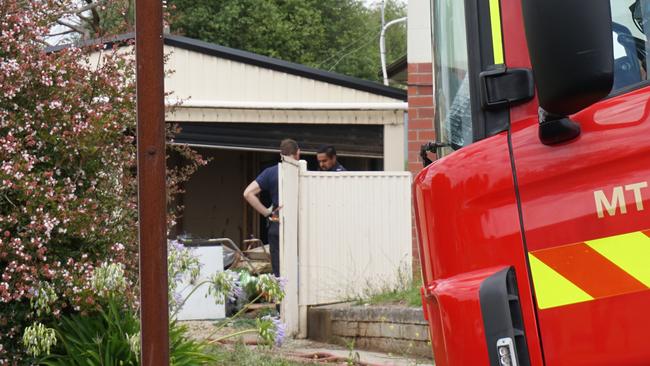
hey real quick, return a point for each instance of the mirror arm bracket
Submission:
(433, 147)
(555, 129)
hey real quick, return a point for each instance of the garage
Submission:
(234, 107)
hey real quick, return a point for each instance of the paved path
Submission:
(307, 347)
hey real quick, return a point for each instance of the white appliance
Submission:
(199, 306)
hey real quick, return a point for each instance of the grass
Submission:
(408, 294)
(403, 290)
(243, 356)
(239, 323)
(248, 320)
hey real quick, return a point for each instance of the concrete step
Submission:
(395, 329)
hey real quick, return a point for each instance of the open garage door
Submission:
(350, 140)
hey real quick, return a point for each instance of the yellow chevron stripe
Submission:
(630, 251)
(551, 288)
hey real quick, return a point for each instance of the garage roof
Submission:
(260, 61)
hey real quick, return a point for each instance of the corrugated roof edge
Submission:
(258, 60)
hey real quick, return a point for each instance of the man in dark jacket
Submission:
(267, 181)
(327, 159)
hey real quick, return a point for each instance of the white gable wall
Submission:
(205, 77)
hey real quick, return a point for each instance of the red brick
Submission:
(420, 101)
(422, 90)
(414, 156)
(420, 79)
(413, 113)
(415, 167)
(412, 135)
(415, 145)
(427, 135)
(413, 90)
(412, 68)
(425, 112)
(417, 265)
(424, 67)
(420, 123)
(420, 141)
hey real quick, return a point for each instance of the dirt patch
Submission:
(300, 351)
(211, 330)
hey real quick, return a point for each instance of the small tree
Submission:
(335, 35)
(67, 167)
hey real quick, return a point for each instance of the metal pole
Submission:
(382, 46)
(154, 315)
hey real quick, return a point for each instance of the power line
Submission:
(352, 44)
(353, 51)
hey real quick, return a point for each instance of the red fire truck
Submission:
(534, 228)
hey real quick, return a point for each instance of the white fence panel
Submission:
(288, 185)
(353, 235)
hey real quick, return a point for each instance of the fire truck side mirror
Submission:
(571, 51)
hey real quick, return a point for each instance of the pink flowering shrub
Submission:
(67, 173)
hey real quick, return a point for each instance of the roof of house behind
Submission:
(257, 60)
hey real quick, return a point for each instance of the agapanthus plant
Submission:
(271, 330)
(183, 266)
(226, 286)
(39, 339)
(109, 335)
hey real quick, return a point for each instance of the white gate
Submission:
(342, 234)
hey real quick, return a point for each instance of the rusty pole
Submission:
(152, 205)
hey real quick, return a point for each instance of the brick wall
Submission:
(420, 125)
(420, 119)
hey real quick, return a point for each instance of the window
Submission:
(630, 29)
(453, 107)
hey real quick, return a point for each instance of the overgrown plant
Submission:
(111, 335)
(353, 356)
(67, 173)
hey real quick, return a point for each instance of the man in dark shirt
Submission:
(327, 159)
(268, 181)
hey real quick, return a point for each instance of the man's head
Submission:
(289, 147)
(326, 157)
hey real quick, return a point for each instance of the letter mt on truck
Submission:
(534, 228)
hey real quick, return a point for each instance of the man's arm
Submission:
(250, 194)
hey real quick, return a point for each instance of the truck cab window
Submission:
(630, 28)
(453, 111)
